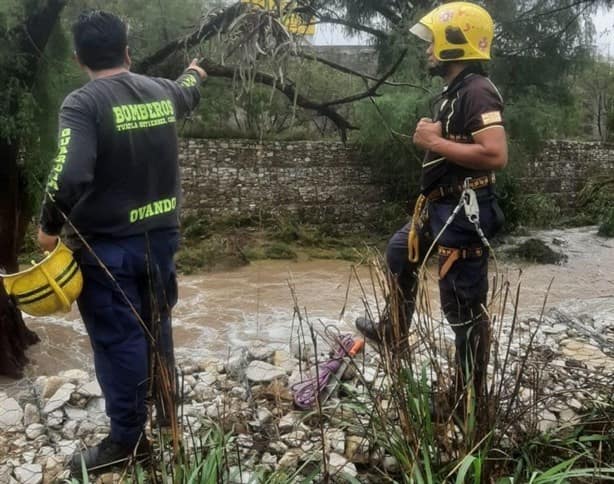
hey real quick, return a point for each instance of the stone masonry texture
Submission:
(321, 182)
(326, 182)
(562, 168)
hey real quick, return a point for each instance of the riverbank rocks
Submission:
(40, 430)
(11, 413)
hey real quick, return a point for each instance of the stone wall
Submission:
(326, 182)
(322, 182)
(563, 167)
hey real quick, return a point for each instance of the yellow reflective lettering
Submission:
(119, 117)
(143, 114)
(134, 111)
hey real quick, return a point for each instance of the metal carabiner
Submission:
(472, 209)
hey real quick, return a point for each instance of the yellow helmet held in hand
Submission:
(48, 287)
(459, 31)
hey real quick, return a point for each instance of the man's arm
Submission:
(487, 152)
(72, 170)
(186, 89)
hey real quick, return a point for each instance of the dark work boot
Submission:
(373, 330)
(106, 454)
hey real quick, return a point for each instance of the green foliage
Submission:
(535, 250)
(606, 228)
(538, 210)
(385, 139)
(531, 119)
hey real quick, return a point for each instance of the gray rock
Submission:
(237, 362)
(283, 359)
(86, 428)
(91, 389)
(268, 459)
(76, 414)
(260, 351)
(5, 473)
(391, 464)
(66, 447)
(31, 415)
(278, 447)
(203, 391)
(52, 385)
(294, 438)
(289, 422)
(206, 377)
(69, 431)
(96, 411)
(340, 465)
(240, 475)
(264, 416)
(335, 440)
(10, 413)
(77, 377)
(34, 430)
(55, 419)
(29, 474)
(263, 372)
(59, 398)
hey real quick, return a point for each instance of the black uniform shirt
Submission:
(469, 105)
(116, 173)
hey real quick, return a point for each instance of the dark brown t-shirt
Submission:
(469, 105)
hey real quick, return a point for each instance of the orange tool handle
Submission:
(356, 347)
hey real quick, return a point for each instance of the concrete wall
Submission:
(323, 182)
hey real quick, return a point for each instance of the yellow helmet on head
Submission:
(459, 31)
(48, 287)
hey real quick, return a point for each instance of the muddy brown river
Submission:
(221, 311)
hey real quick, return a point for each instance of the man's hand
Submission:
(199, 70)
(427, 133)
(47, 242)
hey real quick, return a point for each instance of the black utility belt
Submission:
(477, 183)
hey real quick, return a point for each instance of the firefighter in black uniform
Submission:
(465, 143)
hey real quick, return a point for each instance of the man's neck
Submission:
(453, 71)
(106, 72)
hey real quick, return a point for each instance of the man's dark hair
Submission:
(100, 39)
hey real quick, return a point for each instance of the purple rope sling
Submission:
(306, 392)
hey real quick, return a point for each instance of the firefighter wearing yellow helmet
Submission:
(464, 142)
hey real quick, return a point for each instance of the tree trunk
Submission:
(15, 337)
(29, 40)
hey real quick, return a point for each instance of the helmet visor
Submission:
(422, 31)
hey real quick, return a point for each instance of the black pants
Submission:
(463, 290)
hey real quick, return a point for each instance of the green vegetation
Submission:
(535, 250)
(224, 243)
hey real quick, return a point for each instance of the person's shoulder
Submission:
(81, 98)
(481, 85)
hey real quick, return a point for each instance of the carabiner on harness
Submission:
(472, 210)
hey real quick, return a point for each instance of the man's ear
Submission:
(127, 59)
(75, 57)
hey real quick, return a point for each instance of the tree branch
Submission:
(370, 92)
(215, 24)
(346, 70)
(327, 19)
(289, 90)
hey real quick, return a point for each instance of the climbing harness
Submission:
(469, 202)
(413, 240)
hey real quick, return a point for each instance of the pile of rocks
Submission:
(250, 395)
